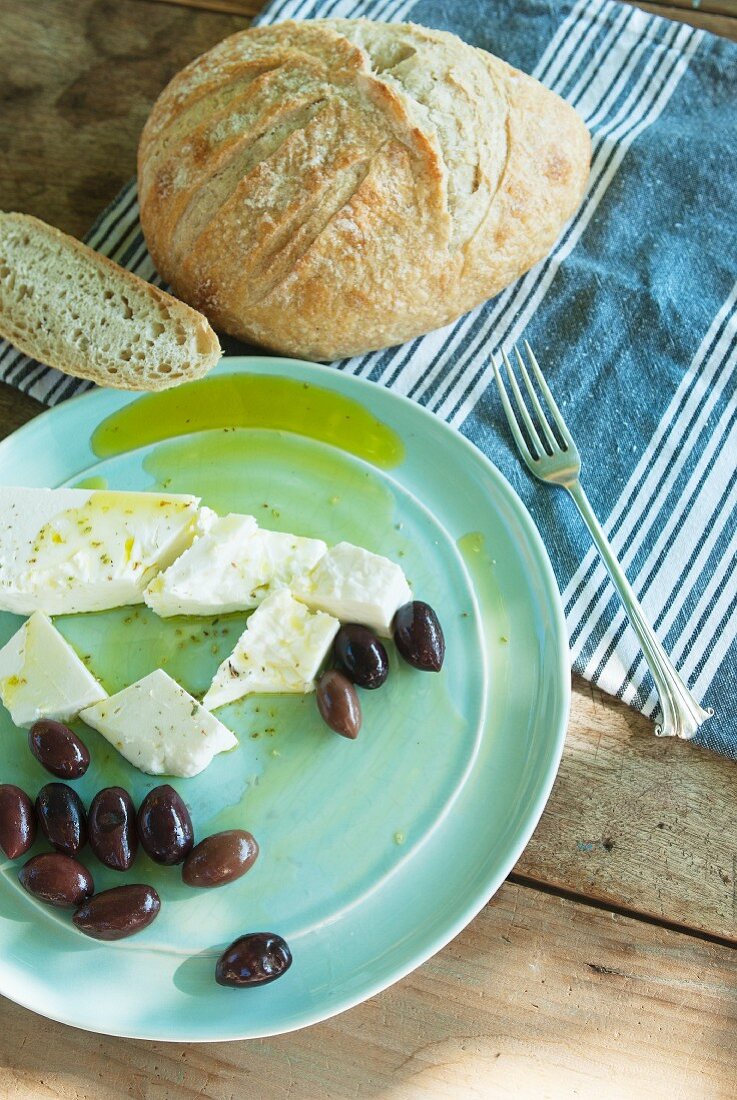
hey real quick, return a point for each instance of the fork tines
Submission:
(538, 438)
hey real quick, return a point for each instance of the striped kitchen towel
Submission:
(634, 314)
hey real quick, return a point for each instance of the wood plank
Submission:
(539, 996)
(15, 409)
(723, 25)
(702, 7)
(639, 822)
(249, 8)
(76, 87)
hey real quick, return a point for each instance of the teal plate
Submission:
(374, 853)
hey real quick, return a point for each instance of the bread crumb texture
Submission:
(73, 309)
(328, 187)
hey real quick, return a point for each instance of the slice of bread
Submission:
(75, 310)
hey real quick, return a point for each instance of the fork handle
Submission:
(682, 715)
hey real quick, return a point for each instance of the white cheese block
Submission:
(232, 566)
(67, 550)
(280, 651)
(159, 727)
(42, 677)
(355, 586)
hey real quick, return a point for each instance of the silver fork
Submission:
(560, 464)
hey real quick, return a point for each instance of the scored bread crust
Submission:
(331, 187)
(73, 309)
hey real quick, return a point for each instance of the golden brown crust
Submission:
(542, 184)
(331, 187)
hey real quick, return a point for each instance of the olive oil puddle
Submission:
(482, 567)
(495, 623)
(250, 401)
(289, 483)
(90, 483)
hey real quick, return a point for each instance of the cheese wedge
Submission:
(159, 727)
(42, 677)
(355, 586)
(232, 566)
(68, 550)
(280, 651)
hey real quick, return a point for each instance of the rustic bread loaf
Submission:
(334, 186)
(73, 309)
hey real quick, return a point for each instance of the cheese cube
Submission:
(355, 586)
(67, 550)
(42, 677)
(280, 651)
(232, 566)
(159, 727)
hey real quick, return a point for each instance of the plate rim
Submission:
(473, 905)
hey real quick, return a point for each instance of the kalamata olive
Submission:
(164, 826)
(17, 821)
(117, 913)
(57, 879)
(361, 655)
(254, 959)
(111, 823)
(220, 858)
(338, 703)
(419, 636)
(62, 818)
(58, 749)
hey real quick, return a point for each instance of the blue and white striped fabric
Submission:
(634, 315)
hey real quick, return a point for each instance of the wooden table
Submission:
(605, 965)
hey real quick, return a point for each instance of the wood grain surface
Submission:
(76, 87)
(572, 981)
(724, 24)
(639, 823)
(539, 997)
